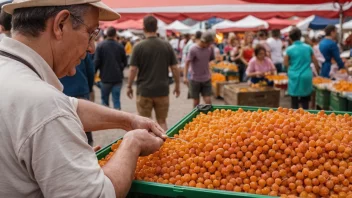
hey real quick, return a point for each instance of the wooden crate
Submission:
(218, 89)
(260, 97)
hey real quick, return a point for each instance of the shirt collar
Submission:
(297, 42)
(17, 48)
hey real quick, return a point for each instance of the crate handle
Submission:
(204, 107)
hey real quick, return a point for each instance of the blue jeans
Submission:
(115, 89)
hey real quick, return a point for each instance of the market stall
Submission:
(178, 26)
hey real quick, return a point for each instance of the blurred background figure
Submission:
(328, 47)
(260, 66)
(298, 58)
(275, 45)
(81, 84)
(110, 60)
(5, 25)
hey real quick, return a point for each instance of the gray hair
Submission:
(32, 21)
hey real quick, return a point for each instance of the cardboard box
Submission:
(247, 96)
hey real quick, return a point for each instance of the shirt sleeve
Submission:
(336, 54)
(58, 158)
(191, 54)
(134, 60)
(251, 67)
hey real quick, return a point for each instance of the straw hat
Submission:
(105, 12)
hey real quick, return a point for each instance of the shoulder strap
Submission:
(21, 60)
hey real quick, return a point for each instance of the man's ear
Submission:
(60, 22)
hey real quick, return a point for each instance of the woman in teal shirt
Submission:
(298, 59)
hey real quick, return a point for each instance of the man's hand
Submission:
(146, 142)
(177, 91)
(130, 92)
(139, 122)
(185, 81)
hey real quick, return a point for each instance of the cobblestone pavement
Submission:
(179, 107)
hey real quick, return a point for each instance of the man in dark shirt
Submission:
(151, 58)
(110, 59)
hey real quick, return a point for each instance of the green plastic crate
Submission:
(142, 189)
(322, 99)
(349, 103)
(337, 103)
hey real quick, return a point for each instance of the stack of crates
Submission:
(338, 102)
(322, 99)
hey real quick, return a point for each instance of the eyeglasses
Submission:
(92, 35)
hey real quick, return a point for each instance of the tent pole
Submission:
(341, 23)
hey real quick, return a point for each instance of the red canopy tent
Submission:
(172, 10)
(298, 1)
(276, 23)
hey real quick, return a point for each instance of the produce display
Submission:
(259, 84)
(216, 77)
(280, 153)
(276, 77)
(226, 66)
(320, 80)
(343, 86)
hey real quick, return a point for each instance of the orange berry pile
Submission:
(225, 65)
(276, 77)
(216, 77)
(321, 80)
(281, 153)
(343, 85)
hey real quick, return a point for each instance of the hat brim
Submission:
(105, 12)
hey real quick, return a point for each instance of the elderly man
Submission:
(43, 146)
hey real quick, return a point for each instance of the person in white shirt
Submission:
(174, 42)
(44, 150)
(275, 45)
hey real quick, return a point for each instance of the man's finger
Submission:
(157, 130)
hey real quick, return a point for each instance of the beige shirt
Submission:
(43, 149)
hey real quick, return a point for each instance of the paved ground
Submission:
(178, 109)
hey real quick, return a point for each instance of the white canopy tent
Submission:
(302, 25)
(200, 26)
(249, 22)
(347, 25)
(222, 25)
(126, 34)
(178, 26)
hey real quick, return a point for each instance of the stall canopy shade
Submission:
(319, 23)
(200, 10)
(347, 25)
(276, 23)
